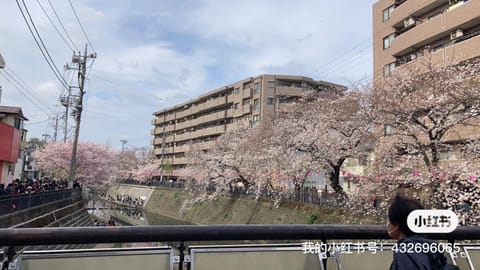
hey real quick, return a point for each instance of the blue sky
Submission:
(153, 54)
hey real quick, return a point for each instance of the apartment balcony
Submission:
(426, 31)
(412, 8)
(182, 114)
(183, 125)
(462, 16)
(180, 161)
(247, 93)
(238, 112)
(436, 27)
(230, 98)
(229, 113)
(212, 117)
(247, 108)
(213, 130)
(157, 141)
(213, 103)
(289, 91)
(166, 150)
(184, 136)
(206, 145)
(464, 50)
(169, 139)
(181, 149)
(158, 121)
(170, 117)
(461, 51)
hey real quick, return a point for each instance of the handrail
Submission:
(164, 233)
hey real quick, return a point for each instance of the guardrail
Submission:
(180, 233)
(17, 202)
(232, 257)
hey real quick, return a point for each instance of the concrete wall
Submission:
(176, 203)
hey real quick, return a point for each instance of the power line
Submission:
(42, 47)
(62, 25)
(55, 26)
(81, 26)
(24, 86)
(23, 93)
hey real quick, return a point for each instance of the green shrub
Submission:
(312, 218)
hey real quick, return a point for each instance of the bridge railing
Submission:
(212, 255)
(17, 202)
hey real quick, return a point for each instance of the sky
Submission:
(153, 54)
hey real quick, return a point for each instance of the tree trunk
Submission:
(335, 176)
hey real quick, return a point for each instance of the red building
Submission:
(12, 134)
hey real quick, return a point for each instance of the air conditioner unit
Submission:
(456, 34)
(408, 22)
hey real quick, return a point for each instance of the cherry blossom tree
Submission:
(127, 161)
(429, 144)
(145, 172)
(330, 129)
(427, 110)
(95, 163)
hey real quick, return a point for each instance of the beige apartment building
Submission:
(208, 116)
(403, 29)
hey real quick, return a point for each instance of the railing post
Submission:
(181, 254)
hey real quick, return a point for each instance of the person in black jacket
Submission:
(397, 228)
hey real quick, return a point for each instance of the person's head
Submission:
(398, 212)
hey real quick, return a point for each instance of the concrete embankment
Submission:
(178, 204)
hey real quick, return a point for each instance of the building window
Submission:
(247, 119)
(235, 106)
(269, 101)
(18, 123)
(387, 69)
(387, 41)
(236, 91)
(256, 118)
(256, 104)
(387, 13)
(246, 101)
(256, 88)
(388, 129)
(271, 84)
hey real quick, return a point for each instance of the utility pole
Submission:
(66, 103)
(55, 126)
(123, 144)
(80, 63)
(45, 136)
(2, 66)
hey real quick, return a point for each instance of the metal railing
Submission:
(180, 233)
(18, 202)
(177, 235)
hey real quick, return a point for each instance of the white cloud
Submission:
(154, 54)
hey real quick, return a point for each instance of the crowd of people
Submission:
(123, 199)
(32, 185)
